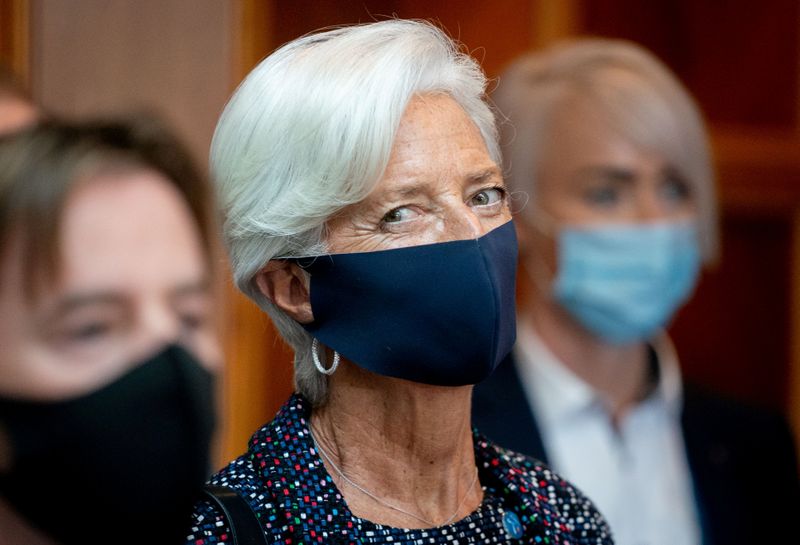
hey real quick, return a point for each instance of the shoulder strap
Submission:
(242, 520)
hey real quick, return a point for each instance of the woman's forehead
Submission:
(598, 127)
(436, 140)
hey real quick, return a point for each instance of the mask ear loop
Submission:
(318, 363)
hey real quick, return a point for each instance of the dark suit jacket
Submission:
(742, 459)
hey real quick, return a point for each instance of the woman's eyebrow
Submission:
(484, 174)
(609, 173)
(75, 301)
(409, 187)
(190, 289)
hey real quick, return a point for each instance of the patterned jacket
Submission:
(283, 479)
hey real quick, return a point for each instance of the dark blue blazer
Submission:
(742, 459)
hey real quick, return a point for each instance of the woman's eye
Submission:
(675, 189)
(487, 197)
(604, 196)
(89, 332)
(401, 213)
(90, 326)
(192, 322)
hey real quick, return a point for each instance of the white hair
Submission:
(649, 106)
(310, 131)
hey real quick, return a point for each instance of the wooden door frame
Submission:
(15, 37)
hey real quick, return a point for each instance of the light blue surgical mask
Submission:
(625, 282)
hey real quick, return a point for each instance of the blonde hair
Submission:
(649, 106)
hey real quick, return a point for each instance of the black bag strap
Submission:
(242, 520)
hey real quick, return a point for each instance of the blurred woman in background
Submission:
(613, 153)
(108, 344)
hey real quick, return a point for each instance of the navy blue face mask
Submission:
(438, 314)
(133, 454)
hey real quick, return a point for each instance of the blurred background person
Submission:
(622, 214)
(108, 343)
(16, 108)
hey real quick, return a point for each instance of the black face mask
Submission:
(120, 465)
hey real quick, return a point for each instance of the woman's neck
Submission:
(408, 444)
(619, 373)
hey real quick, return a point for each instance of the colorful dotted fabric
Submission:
(284, 480)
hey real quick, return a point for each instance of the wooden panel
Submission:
(254, 25)
(258, 372)
(759, 171)
(738, 334)
(258, 364)
(14, 37)
(794, 371)
(794, 323)
(733, 336)
(494, 32)
(554, 20)
(739, 57)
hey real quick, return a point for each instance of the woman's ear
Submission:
(286, 285)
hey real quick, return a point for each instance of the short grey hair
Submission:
(650, 106)
(310, 131)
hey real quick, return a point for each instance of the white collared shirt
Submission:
(637, 472)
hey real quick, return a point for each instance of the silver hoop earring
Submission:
(318, 364)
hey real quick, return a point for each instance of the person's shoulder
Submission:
(585, 523)
(208, 522)
(730, 441)
(247, 476)
(547, 491)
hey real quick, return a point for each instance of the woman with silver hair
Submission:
(365, 212)
(613, 152)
